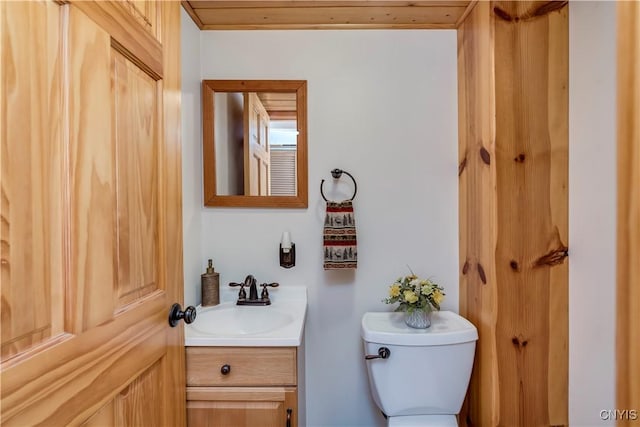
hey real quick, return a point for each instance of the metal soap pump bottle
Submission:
(210, 286)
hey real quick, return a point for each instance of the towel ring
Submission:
(337, 173)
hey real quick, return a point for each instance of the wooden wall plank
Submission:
(514, 210)
(213, 4)
(628, 224)
(192, 13)
(557, 127)
(477, 207)
(337, 15)
(225, 15)
(532, 138)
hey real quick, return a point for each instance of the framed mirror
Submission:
(255, 143)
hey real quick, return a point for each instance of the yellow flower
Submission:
(394, 291)
(410, 297)
(437, 296)
(426, 290)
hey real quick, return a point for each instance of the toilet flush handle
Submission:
(383, 353)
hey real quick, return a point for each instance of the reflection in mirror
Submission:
(254, 139)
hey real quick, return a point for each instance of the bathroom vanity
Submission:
(242, 386)
(245, 363)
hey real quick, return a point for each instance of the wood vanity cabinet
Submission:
(242, 386)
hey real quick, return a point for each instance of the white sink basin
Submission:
(280, 324)
(229, 319)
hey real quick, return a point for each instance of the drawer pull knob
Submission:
(289, 411)
(225, 369)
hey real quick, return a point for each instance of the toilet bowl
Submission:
(418, 377)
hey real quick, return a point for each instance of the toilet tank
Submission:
(427, 371)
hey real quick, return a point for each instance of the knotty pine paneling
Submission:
(477, 206)
(230, 15)
(513, 139)
(628, 224)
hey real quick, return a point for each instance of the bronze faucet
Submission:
(253, 299)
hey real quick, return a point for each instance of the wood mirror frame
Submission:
(211, 197)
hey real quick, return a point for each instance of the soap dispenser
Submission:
(210, 286)
(287, 251)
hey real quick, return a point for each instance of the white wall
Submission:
(592, 212)
(383, 106)
(191, 159)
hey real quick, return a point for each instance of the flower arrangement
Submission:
(414, 293)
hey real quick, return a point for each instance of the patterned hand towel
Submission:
(340, 249)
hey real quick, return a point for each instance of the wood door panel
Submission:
(31, 243)
(137, 404)
(92, 174)
(126, 33)
(144, 11)
(135, 110)
(256, 146)
(104, 417)
(69, 382)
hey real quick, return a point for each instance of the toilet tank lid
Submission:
(446, 327)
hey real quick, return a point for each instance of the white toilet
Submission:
(419, 377)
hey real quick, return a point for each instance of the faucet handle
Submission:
(242, 294)
(265, 293)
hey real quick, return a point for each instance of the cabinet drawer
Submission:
(249, 366)
(242, 406)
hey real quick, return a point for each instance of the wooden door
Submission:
(91, 214)
(257, 154)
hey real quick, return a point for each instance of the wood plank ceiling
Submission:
(322, 14)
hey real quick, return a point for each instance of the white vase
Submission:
(419, 319)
